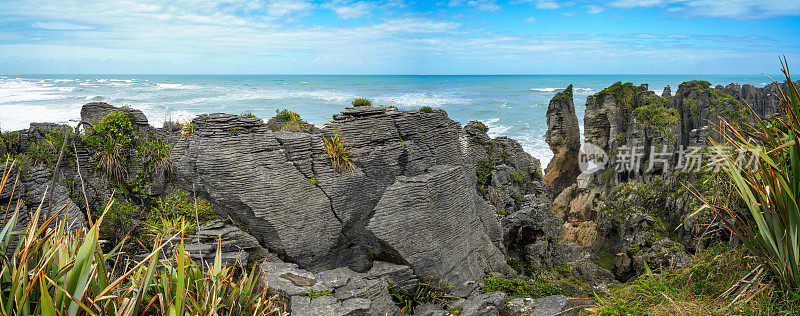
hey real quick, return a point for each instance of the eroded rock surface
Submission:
(563, 137)
(414, 175)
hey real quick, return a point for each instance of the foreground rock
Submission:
(410, 199)
(336, 292)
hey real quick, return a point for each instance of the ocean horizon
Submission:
(510, 105)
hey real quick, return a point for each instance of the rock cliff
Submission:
(563, 137)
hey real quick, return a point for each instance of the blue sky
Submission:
(398, 36)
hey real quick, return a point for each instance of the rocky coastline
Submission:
(427, 201)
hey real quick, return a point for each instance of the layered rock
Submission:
(563, 137)
(411, 192)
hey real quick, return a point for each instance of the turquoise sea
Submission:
(513, 106)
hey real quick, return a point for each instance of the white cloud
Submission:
(480, 5)
(530, 20)
(594, 9)
(731, 9)
(355, 10)
(627, 4)
(62, 26)
(547, 5)
(284, 7)
(484, 5)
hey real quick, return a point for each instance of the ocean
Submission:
(513, 106)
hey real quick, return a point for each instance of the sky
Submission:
(398, 36)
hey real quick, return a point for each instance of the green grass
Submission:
(426, 109)
(316, 293)
(697, 290)
(535, 287)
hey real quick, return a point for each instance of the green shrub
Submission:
(9, 142)
(284, 115)
(361, 102)
(426, 109)
(481, 127)
(295, 124)
(248, 114)
(623, 93)
(187, 128)
(176, 213)
(111, 140)
(312, 180)
(657, 117)
(522, 266)
(484, 172)
(232, 131)
(47, 151)
(120, 220)
(536, 287)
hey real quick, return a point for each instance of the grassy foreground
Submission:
(48, 268)
(709, 286)
(763, 277)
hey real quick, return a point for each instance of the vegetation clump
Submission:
(656, 115)
(481, 127)
(535, 287)
(361, 102)
(426, 109)
(702, 288)
(426, 291)
(284, 115)
(111, 139)
(623, 94)
(484, 173)
(563, 96)
(339, 153)
(178, 212)
(314, 293)
(769, 223)
(64, 271)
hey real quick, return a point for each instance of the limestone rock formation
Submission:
(414, 175)
(563, 137)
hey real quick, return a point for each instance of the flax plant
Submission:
(769, 223)
(58, 270)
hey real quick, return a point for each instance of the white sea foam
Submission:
(245, 95)
(94, 98)
(420, 100)
(25, 91)
(15, 117)
(496, 129)
(559, 89)
(175, 86)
